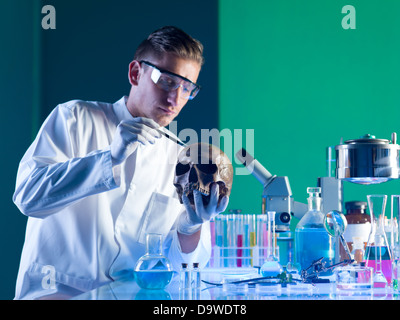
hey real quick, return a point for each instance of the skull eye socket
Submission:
(181, 168)
(208, 168)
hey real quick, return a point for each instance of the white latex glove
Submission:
(129, 134)
(190, 221)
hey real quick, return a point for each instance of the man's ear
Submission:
(133, 75)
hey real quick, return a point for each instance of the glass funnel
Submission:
(377, 253)
(271, 267)
(153, 270)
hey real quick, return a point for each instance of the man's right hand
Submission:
(129, 134)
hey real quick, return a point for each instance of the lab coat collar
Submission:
(121, 110)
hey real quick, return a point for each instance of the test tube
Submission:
(213, 241)
(212, 231)
(252, 232)
(239, 239)
(246, 240)
(395, 242)
(394, 219)
(218, 241)
(261, 237)
(231, 230)
(225, 242)
(271, 235)
(330, 161)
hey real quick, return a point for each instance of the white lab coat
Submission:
(87, 221)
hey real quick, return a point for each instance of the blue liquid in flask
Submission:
(153, 270)
(313, 244)
(312, 241)
(153, 279)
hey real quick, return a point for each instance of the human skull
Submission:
(199, 165)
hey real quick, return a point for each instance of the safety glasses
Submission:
(169, 81)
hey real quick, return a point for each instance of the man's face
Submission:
(146, 99)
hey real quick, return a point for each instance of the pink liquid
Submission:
(386, 264)
(239, 251)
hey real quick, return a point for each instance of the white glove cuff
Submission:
(185, 226)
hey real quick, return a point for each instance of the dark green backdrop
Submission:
(85, 57)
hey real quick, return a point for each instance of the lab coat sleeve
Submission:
(56, 171)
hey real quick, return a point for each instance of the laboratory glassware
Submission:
(395, 241)
(358, 250)
(271, 266)
(184, 277)
(196, 276)
(335, 224)
(358, 223)
(312, 241)
(377, 253)
(353, 277)
(153, 270)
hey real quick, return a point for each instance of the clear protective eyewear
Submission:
(169, 81)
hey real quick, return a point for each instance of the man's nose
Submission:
(174, 96)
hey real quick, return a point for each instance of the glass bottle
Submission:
(312, 241)
(153, 270)
(185, 277)
(196, 276)
(377, 253)
(358, 250)
(358, 224)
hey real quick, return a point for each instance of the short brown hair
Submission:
(170, 39)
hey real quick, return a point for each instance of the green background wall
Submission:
(290, 71)
(286, 69)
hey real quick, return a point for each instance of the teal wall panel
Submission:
(293, 74)
(85, 57)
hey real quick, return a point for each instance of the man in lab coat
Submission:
(99, 177)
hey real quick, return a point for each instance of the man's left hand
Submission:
(190, 221)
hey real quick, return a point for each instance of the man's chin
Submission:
(164, 121)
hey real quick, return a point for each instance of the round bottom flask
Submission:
(153, 270)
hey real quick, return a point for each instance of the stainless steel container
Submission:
(368, 160)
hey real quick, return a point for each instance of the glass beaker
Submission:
(395, 241)
(153, 270)
(377, 253)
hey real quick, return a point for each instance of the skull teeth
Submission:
(195, 186)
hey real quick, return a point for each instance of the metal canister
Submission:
(368, 160)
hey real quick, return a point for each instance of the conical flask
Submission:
(153, 270)
(377, 253)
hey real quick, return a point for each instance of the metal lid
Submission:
(368, 138)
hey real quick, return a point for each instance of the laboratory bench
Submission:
(126, 288)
